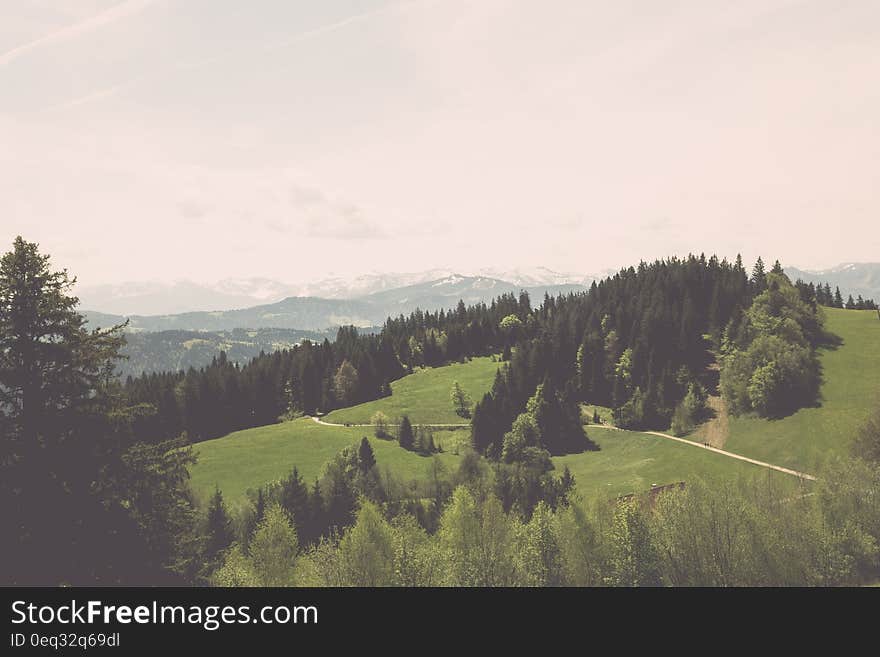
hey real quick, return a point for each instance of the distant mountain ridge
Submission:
(156, 298)
(318, 314)
(852, 278)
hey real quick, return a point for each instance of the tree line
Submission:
(822, 295)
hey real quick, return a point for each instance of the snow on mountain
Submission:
(157, 298)
(856, 278)
(532, 277)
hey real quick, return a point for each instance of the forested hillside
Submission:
(313, 377)
(639, 342)
(172, 351)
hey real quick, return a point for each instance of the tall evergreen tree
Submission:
(366, 457)
(294, 499)
(68, 477)
(759, 277)
(405, 435)
(219, 533)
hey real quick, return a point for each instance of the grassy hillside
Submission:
(425, 394)
(254, 457)
(631, 462)
(627, 462)
(851, 384)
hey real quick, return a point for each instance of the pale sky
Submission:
(208, 139)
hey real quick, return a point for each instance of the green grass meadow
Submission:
(425, 395)
(254, 457)
(630, 462)
(851, 385)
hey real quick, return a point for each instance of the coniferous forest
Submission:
(95, 470)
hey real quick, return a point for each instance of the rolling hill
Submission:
(424, 396)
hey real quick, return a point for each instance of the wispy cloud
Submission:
(115, 13)
(301, 37)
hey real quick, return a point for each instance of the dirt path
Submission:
(740, 457)
(430, 424)
(715, 430)
(778, 468)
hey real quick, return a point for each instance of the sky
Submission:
(212, 139)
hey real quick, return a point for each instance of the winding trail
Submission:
(390, 424)
(740, 457)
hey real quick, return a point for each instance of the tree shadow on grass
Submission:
(830, 341)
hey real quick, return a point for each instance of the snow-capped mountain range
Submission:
(320, 313)
(154, 298)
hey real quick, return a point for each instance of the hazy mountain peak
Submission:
(856, 278)
(165, 298)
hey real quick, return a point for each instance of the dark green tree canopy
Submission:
(88, 505)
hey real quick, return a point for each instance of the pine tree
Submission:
(838, 298)
(759, 277)
(405, 433)
(219, 533)
(366, 457)
(66, 483)
(294, 499)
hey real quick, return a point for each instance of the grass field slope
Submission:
(851, 385)
(425, 395)
(630, 461)
(254, 457)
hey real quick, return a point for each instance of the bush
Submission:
(380, 425)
